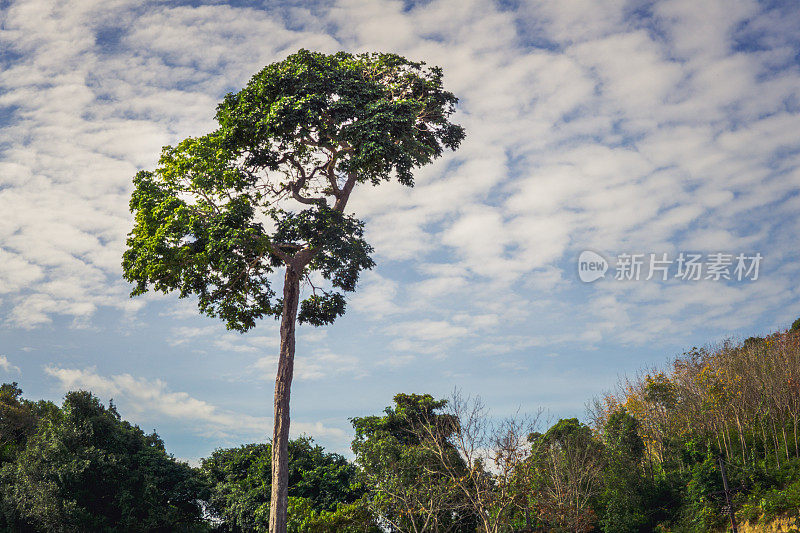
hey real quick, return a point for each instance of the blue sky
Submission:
(618, 127)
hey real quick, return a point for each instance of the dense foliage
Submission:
(269, 187)
(409, 488)
(81, 468)
(323, 491)
(740, 401)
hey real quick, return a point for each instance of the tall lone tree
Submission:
(268, 189)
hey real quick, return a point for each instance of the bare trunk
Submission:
(279, 499)
(777, 445)
(741, 438)
(785, 442)
(725, 438)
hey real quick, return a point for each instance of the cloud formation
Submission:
(7, 367)
(612, 126)
(600, 124)
(138, 398)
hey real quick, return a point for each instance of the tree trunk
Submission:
(279, 499)
(785, 442)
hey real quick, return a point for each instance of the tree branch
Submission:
(341, 200)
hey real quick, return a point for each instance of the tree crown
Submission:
(269, 187)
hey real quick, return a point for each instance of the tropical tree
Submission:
(17, 421)
(567, 462)
(86, 469)
(624, 491)
(322, 488)
(399, 454)
(269, 189)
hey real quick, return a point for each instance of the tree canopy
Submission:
(82, 468)
(269, 186)
(410, 490)
(322, 488)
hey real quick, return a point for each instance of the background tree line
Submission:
(646, 460)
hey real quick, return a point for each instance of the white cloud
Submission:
(6, 365)
(397, 360)
(428, 330)
(590, 124)
(375, 296)
(314, 364)
(142, 400)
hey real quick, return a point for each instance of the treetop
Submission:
(270, 186)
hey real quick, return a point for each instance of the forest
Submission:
(646, 457)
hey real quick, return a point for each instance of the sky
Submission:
(627, 129)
